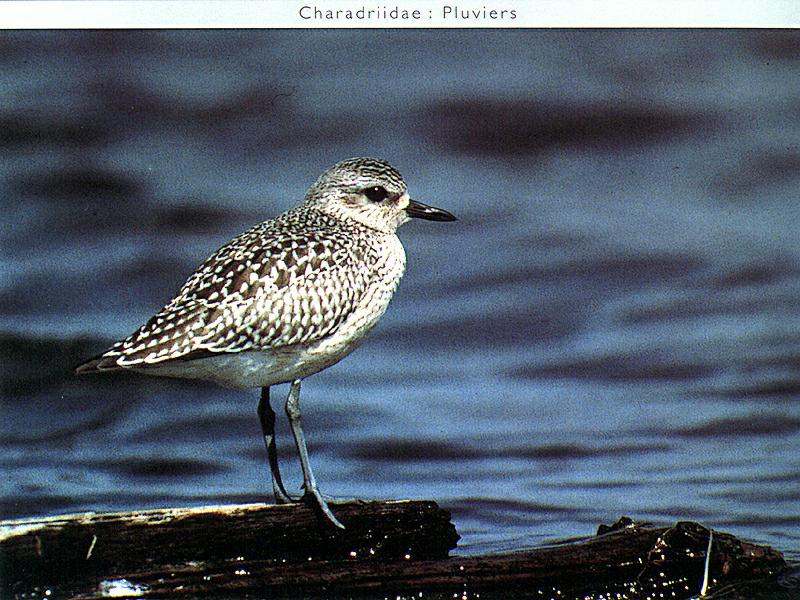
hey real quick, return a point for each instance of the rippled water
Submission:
(611, 328)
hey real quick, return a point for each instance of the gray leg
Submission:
(309, 483)
(267, 417)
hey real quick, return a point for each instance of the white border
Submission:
(127, 14)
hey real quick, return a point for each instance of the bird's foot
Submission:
(283, 497)
(314, 499)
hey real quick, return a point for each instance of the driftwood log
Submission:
(397, 549)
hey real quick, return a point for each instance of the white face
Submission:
(385, 214)
(366, 190)
(371, 192)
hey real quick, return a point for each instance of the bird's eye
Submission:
(376, 194)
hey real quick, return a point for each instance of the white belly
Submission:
(257, 368)
(263, 368)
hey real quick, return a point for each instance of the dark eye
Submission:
(376, 194)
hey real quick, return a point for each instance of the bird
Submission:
(284, 300)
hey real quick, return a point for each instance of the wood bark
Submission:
(387, 549)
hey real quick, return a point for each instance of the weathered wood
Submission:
(388, 549)
(628, 561)
(74, 547)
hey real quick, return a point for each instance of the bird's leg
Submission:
(309, 482)
(267, 417)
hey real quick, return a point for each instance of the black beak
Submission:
(423, 211)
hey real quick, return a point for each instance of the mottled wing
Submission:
(273, 286)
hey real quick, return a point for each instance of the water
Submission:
(611, 328)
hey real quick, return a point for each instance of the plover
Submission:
(284, 300)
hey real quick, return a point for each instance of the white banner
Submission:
(82, 14)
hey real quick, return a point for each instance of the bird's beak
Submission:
(430, 213)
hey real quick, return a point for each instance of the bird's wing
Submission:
(172, 332)
(255, 293)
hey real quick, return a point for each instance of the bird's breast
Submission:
(382, 278)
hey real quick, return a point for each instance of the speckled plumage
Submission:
(285, 299)
(288, 297)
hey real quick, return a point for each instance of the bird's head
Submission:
(370, 191)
